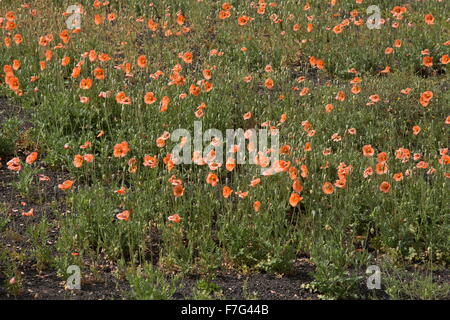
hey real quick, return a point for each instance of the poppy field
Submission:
(348, 200)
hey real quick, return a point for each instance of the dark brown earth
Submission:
(236, 286)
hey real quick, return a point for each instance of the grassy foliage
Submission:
(400, 210)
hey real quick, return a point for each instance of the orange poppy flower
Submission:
(86, 84)
(381, 168)
(32, 157)
(124, 215)
(293, 173)
(48, 55)
(425, 98)
(104, 57)
(304, 171)
(368, 150)
(445, 159)
(150, 161)
(445, 59)
(16, 64)
(174, 218)
(398, 11)
(86, 145)
(207, 74)
(255, 182)
(230, 164)
(65, 61)
(180, 19)
(178, 190)
(307, 147)
(194, 90)
(121, 191)
(385, 187)
(224, 14)
(406, 91)
(29, 213)
(427, 61)
(247, 79)
(285, 149)
(341, 183)
(66, 185)
(281, 166)
(398, 176)
(226, 192)
(294, 199)
(76, 72)
(18, 39)
(187, 57)
(92, 54)
(43, 41)
(337, 29)
(10, 16)
(242, 194)
(422, 165)
(368, 172)
(207, 86)
(256, 206)
(14, 83)
(328, 188)
(149, 98)
(382, 157)
(212, 179)
(121, 149)
(112, 17)
(374, 98)
(268, 83)
(65, 36)
(351, 131)
(226, 6)
(199, 113)
(142, 61)
(320, 64)
(164, 105)
(121, 98)
(304, 92)
(88, 157)
(98, 19)
(297, 186)
(388, 50)
(152, 25)
(247, 115)
(340, 96)
(402, 154)
(78, 161)
(99, 74)
(386, 70)
(14, 164)
(429, 19)
(243, 20)
(427, 95)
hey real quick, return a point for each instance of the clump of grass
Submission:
(9, 134)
